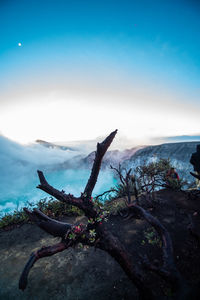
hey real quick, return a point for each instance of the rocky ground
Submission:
(77, 274)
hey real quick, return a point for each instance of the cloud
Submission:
(19, 179)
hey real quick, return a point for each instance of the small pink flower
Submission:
(77, 229)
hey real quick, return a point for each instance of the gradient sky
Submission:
(85, 68)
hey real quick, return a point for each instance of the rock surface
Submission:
(88, 274)
(73, 274)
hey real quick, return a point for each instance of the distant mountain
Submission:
(54, 146)
(178, 153)
(183, 138)
(113, 157)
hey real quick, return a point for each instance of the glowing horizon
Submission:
(74, 71)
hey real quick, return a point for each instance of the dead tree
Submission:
(127, 181)
(96, 233)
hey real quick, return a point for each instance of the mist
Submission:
(18, 173)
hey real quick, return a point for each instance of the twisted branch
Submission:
(168, 270)
(49, 225)
(43, 252)
(101, 150)
(62, 229)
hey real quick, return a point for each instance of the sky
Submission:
(77, 70)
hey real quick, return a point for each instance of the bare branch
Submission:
(106, 192)
(42, 178)
(43, 252)
(49, 225)
(162, 231)
(116, 249)
(66, 198)
(101, 150)
(125, 180)
(59, 195)
(168, 271)
(119, 172)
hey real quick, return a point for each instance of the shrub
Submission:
(49, 206)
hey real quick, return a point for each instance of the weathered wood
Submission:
(101, 150)
(168, 270)
(49, 225)
(112, 245)
(66, 198)
(43, 252)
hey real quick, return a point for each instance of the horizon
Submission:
(120, 143)
(76, 71)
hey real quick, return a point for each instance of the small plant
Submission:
(114, 206)
(91, 221)
(92, 234)
(151, 237)
(17, 217)
(49, 206)
(55, 208)
(80, 246)
(176, 185)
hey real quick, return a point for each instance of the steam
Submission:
(18, 173)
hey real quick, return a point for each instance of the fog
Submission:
(18, 173)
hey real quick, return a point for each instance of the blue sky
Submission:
(140, 59)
